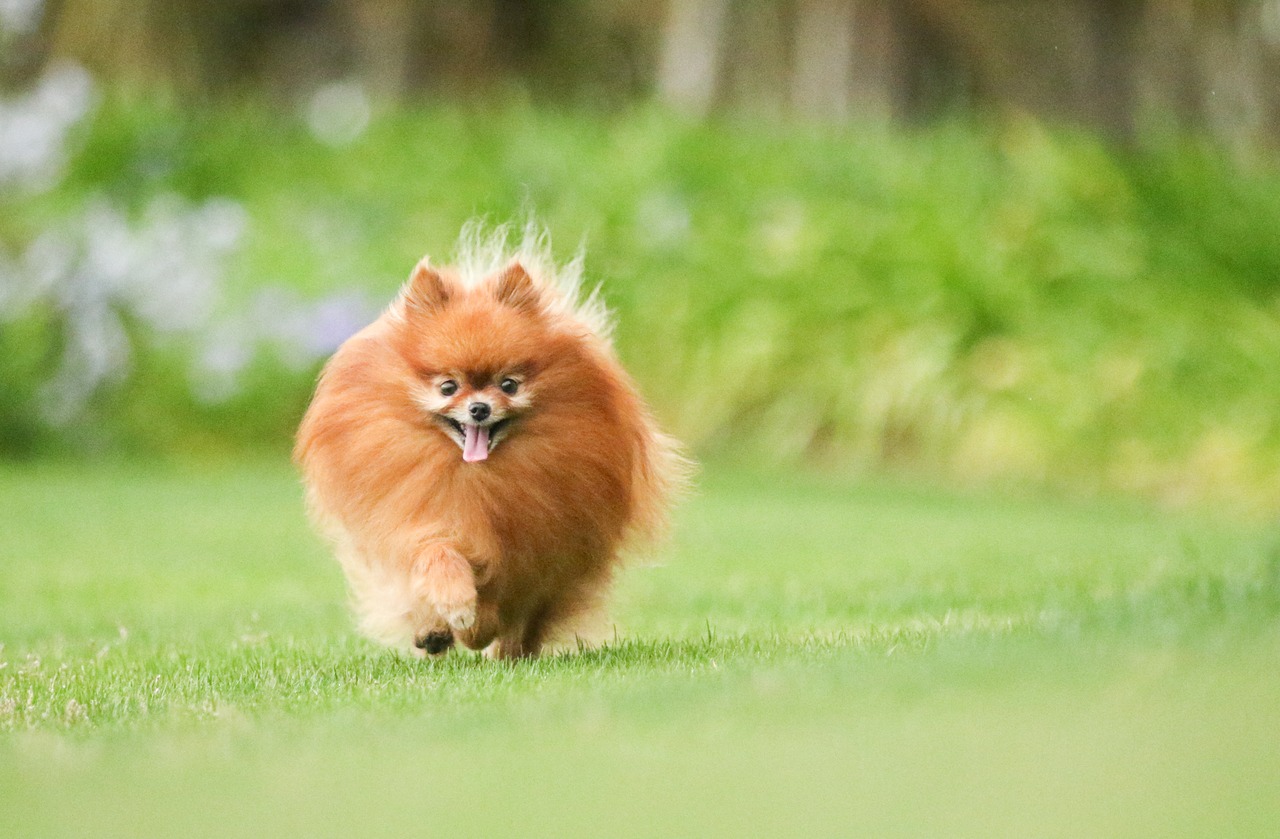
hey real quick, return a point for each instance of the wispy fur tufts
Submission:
(483, 250)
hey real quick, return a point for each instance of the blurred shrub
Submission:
(998, 303)
(115, 325)
(116, 332)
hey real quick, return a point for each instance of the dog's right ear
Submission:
(427, 290)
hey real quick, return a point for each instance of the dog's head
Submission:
(477, 352)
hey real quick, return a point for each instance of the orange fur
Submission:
(506, 552)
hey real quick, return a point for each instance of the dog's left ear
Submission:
(515, 288)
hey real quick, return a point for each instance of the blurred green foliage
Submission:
(998, 303)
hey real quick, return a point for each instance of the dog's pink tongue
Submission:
(475, 443)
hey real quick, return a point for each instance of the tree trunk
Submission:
(1115, 25)
(821, 82)
(689, 69)
(383, 33)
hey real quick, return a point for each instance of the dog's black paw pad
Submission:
(435, 643)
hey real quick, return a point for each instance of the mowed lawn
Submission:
(809, 657)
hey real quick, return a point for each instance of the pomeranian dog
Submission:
(479, 458)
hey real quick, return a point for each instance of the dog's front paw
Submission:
(453, 596)
(459, 615)
(447, 584)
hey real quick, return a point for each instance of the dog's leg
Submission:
(510, 645)
(523, 639)
(573, 619)
(442, 579)
(508, 648)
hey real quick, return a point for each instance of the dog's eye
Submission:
(509, 386)
(448, 387)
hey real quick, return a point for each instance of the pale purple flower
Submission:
(34, 127)
(336, 318)
(99, 268)
(299, 332)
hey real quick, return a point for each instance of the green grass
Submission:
(807, 658)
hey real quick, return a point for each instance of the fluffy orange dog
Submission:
(479, 458)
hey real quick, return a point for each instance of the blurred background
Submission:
(977, 242)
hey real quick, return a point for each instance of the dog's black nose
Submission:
(479, 411)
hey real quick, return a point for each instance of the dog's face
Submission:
(476, 355)
(476, 408)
